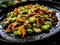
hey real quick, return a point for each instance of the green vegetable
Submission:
(48, 26)
(12, 19)
(24, 11)
(32, 9)
(11, 14)
(5, 23)
(44, 8)
(41, 16)
(19, 23)
(45, 27)
(34, 25)
(17, 32)
(53, 17)
(48, 23)
(37, 30)
(5, 2)
(37, 5)
(27, 21)
(32, 19)
(29, 31)
(46, 16)
(48, 19)
(3, 6)
(14, 2)
(21, 9)
(29, 26)
(11, 3)
(8, 15)
(25, 6)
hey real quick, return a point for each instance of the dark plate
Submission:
(11, 38)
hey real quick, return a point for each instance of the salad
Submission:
(4, 4)
(30, 19)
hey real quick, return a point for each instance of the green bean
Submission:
(17, 32)
(32, 19)
(19, 24)
(46, 16)
(29, 31)
(44, 8)
(32, 9)
(34, 25)
(48, 26)
(36, 4)
(45, 27)
(25, 6)
(8, 15)
(27, 21)
(11, 14)
(6, 23)
(48, 23)
(41, 16)
(53, 17)
(37, 30)
(12, 19)
(48, 19)
(24, 11)
(29, 26)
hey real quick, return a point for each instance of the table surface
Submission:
(53, 40)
